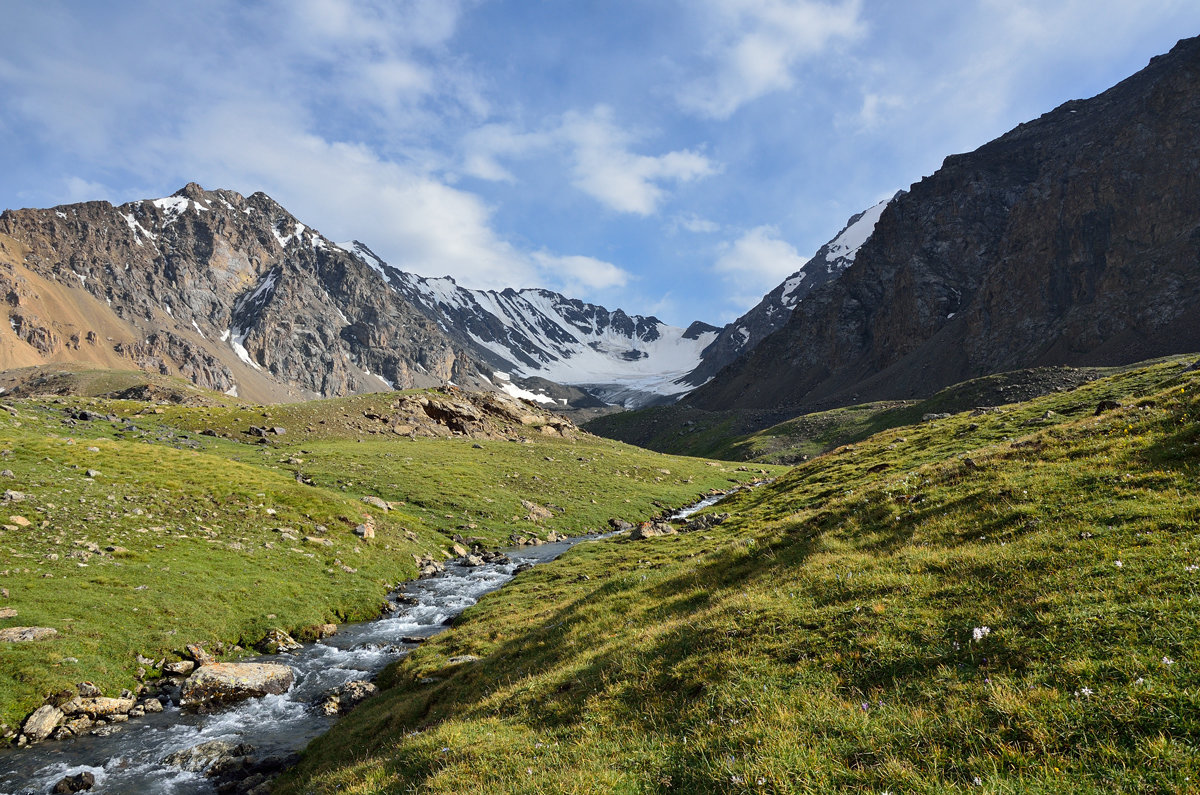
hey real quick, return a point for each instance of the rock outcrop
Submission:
(1073, 239)
(223, 683)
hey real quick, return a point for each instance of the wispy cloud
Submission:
(608, 171)
(757, 44)
(600, 152)
(755, 263)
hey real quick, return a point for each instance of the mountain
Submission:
(773, 311)
(1073, 239)
(233, 293)
(624, 359)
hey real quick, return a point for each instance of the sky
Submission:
(670, 157)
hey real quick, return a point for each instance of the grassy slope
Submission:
(199, 518)
(825, 637)
(760, 437)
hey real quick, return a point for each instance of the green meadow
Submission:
(134, 533)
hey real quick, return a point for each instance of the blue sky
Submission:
(669, 157)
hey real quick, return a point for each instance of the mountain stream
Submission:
(131, 760)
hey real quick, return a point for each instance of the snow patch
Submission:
(224, 335)
(237, 342)
(139, 231)
(846, 245)
(198, 331)
(61, 214)
(232, 391)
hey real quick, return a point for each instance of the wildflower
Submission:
(1084, 691)
(1191, 568)
(1118, 564)
(977, 781)
(1140, 681)
(980, 633)
(865, 706)
(1167, 661)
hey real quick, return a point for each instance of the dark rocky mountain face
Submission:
(1073, 239)
(233, 293)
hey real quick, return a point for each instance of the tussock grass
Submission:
(1010, 605)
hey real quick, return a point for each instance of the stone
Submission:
(536, 512)
(462, 659)
(199, 654)
(80, 782)
(152, 705)
(42, 722)
(652, 530)
(93, 473)
(13, 496)
(201, 757)
(19, 521)
(222, 683)
(26, 634)
(459, 550)
(276, 641)
(345, 698)
(365, 530)
(179, 668)
(381, 504)
(88, 690)
(1106, 405)
(8, 612)
(101, 707)
(473, 560)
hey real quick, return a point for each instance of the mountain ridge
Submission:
(1072, 239)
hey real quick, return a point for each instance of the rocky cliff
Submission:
(232, 293)
(1073, 239)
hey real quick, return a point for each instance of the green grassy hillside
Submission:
(143, 528)
(1001, 601)
(792, 436)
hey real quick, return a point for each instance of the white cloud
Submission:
(609, 172)
(485, 145)
(577, 273)
(694, 223)
(757, 44)
(755, 263)
(603, 164)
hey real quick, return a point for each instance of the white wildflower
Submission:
(1083, 692)
(980, 633)
(1168, 661)
(1118, 564)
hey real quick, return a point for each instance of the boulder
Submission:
(201, 757)
(179, 668)
(26, 634)
(198, 654)
(379, 503)
(8, 612)
(41, 722)
(536, 512)
(652, 530)
(223, 683)
(276, 641)
(80, 782)
(100, 706)
(345, 698)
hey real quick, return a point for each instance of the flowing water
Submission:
(130, 761)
